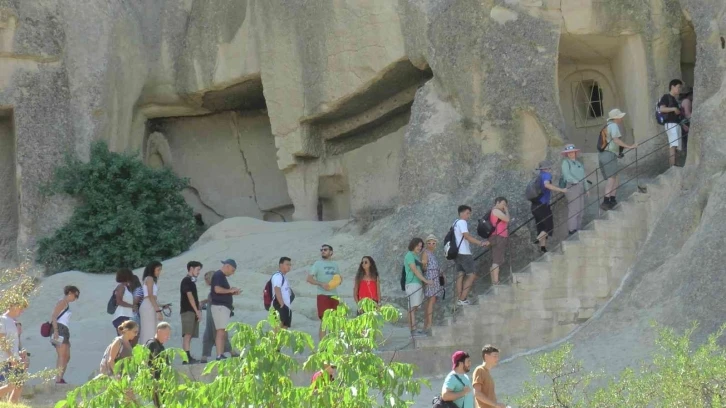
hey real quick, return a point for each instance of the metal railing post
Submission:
(597, 192)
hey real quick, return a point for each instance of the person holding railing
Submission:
(573, 179)
(541, 209)
(608, 157)
(414, 282)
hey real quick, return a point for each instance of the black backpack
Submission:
(403, 278)
(484, 227)
(111, 306)
(452, 251)
(438, 402)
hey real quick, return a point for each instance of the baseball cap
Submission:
(458, 357)
(230, 262)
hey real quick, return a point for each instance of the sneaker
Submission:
(61, 381)
(464, 302)
(204, 360)
(222, 357)
(543, 249)
(606, 206)
(571, 232)
(192, 360)
(418, 333)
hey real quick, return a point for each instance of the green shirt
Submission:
(412, 258)
(574, 172)
(323, 272)
(613, 131)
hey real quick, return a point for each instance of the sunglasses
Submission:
(365, 262)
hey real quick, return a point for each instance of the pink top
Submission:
(501, 227)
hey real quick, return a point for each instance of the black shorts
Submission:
(543, 217)
(285, 314)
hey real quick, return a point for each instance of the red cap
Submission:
(458, 357)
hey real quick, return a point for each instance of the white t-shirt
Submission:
(10, 330)
(284, 285)
(459, 229)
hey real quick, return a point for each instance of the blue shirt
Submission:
(546, 193)
(451, 383)
(220, 279)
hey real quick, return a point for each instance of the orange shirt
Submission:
(483, 378)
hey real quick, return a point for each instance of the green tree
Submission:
(262, 376)
(127, 215)
(678, 376)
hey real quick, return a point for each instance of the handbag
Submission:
(46, 329)
(438, 402)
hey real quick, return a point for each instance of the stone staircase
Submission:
(553, 295)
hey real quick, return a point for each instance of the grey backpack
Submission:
(534, 188)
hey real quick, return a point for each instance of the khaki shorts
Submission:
(415, 294)
(190, 324)
(220, 315)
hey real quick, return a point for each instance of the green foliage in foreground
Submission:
(262, 377)
(128, 214)
(677, 377)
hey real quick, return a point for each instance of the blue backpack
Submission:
(659, 117)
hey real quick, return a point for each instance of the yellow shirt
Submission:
(483, 378)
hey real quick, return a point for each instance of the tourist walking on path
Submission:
(541, 206)
(464, 262)
(367, 284)
(282, 294)
(573, 174)
(457, 385)
(149, 310)
(671, 111)
(484, 393)
(61, 338)
(433, 274)
(222, 303)
(414, 282)
(14, 360)
(321, 274)
(210, 331)
(608, 157)
(120, 347)
(189, 309)
(138, 291)
(499, 239)
(124, 298)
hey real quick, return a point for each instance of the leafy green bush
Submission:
(262, 376)
(678, 376)
(128, 214)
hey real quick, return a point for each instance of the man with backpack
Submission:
(282, 295)
(541, 205)
(670, 109)
(609, 144)
(464, 261)
(457, 386)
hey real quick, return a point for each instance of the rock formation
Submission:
(387, 112)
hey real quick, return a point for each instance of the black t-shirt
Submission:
(670, 102)
(220, 279)
(156, 348)
(187, 285)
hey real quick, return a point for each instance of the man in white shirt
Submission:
(464, 261)
(282, 295)
(13, 361)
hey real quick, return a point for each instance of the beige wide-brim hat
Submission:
(616, 114)
(431, 237)
(570, 148)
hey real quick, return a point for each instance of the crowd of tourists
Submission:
(138, 316)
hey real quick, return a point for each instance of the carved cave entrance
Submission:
(229, 156)
(9, 214)
(597, 74)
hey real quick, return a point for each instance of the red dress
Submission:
(368, 289)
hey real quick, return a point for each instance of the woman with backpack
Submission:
(541, 205)
(124, 298)
(573, 178)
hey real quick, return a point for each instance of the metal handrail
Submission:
(531, 218)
